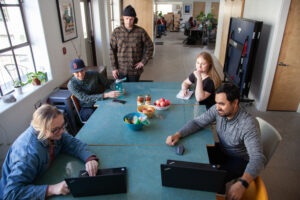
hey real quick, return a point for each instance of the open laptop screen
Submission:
(107, 181)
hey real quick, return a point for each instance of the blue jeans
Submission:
(86, 112)
(161, 28)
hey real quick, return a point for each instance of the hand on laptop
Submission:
(91, 167)
(58, 189)
(173, 139)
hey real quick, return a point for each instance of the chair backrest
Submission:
(77, 107)
(270, 138)
(256, 190)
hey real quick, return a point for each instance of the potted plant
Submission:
(36, 78)
(18, 87)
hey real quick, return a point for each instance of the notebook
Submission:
(189, 175)
(186, 97)
(107, 181)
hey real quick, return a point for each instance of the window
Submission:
(164, 8)
(16, 59)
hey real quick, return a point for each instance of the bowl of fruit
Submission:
(162, 104)
(147, 110)
(135, 121)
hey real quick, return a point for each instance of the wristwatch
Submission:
(244, 183)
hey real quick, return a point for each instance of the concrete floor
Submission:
(174, 61)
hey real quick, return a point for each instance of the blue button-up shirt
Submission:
(28, 158)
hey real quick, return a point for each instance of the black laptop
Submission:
(107, 181)
(190, 175)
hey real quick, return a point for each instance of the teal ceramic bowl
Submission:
(129, 117)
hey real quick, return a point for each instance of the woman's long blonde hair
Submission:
(212, 72)
(42, 119)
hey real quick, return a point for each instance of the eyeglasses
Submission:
(56, 130)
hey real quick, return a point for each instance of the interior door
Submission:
(197, 8)
(88, 29)
(285, 93)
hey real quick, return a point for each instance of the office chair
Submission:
(77, 107)
(270, 138)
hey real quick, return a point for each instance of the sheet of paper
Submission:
(180, 95)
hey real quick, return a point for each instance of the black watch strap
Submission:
(244, 183)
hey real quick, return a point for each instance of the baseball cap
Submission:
(77, 65)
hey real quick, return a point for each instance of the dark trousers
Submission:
(234, 166)
(130, 78)
(86, 112)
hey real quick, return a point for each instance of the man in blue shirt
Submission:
(33, 153)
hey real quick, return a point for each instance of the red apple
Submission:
(162, 100)
(157, 102)
(162, 104)
(167, 102)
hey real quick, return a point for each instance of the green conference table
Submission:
(141, 152)
(157, 90)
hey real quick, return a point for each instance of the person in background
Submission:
(206, 79)
(130, 48)
(192, 22)
(86, 86)
(161, 26)
(239, 151)
(34, 151)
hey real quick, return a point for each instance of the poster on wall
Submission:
(187, 8)
(67, 21)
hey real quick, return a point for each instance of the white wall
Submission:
(44, 31)
(274, 15)
(102, 33)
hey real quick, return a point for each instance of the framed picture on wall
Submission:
(187, 8)
(67, 21)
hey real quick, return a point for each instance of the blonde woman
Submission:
(33, 153)
(205, 78)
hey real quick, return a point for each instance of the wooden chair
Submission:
(77, 107)
(256, 191)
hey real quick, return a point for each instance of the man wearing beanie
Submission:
(86, 85)
(130, 48)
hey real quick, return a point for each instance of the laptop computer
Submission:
(107, 181)
(190, 175)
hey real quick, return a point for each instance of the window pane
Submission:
(8, 72)
(15, 25)
(25, 63)
(9, 1)
(4, 43)
(83, 18)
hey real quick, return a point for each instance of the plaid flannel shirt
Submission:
(127, 48)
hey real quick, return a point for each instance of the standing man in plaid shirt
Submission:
(130, 48)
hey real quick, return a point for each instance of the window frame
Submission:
(12, 47)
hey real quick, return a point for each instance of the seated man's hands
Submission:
(112, 94)
(236, 191)
(58, 189)
(173, 139)
(91, 167)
